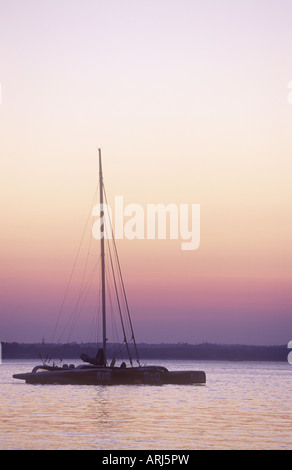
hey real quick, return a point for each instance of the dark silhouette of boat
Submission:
(96, 370)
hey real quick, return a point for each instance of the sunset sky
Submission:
(188, 100)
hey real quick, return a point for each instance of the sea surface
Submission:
(243, 406)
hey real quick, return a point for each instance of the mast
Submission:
(102, 230)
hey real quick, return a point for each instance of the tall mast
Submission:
(102, 229)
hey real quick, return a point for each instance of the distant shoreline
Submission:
(183, 351)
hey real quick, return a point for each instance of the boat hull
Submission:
(112, 376)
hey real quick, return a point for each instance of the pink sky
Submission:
(188, 101)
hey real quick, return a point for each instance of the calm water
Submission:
(243, 406)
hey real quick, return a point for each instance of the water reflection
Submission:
(243, 406)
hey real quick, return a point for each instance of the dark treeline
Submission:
(204, 351)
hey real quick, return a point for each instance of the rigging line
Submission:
(86, 264)
(113, 318)
(117, 297)
(74, 264)
(120, 311)
(123, 287)
(82, 291)
(92, 335)
(83, 286)
(116, 345)
(119, 352)
(75, 314)
(127, 305)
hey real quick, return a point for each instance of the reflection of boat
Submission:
(96, 370)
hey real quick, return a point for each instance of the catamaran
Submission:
(98, 370)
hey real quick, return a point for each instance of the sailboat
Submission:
(97, 370)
